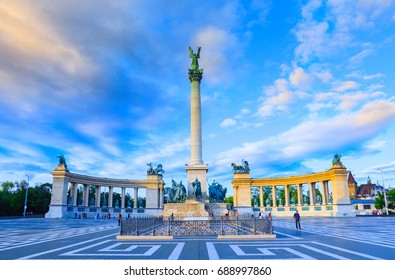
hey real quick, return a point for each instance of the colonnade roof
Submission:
(298, 179)
(110, 182)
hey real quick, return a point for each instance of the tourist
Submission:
(172, 217)
(269, 216)
(119, 219)
(297, 219)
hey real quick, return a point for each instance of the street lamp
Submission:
(385, 196)
(27, 188)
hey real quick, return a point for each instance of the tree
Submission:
(7, 186)
(391, 199)
(380, 202)
(229, 200)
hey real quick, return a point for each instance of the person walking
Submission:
(297, 219)
(119, 219)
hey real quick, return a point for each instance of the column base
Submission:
(199, 172)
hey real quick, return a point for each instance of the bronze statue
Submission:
(156, 170)
(197, 190)
(243, 168)
(216, 192)
(195, 57)
(336, 159)
(62, 160)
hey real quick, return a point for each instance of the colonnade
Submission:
(332, 183)
(274, 201)
(65, 182)
(73, 190)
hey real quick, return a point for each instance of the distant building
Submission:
(352, 186)
(363, 197)
(368, 190)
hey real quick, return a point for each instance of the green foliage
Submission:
(380, 202)
(12, 198)
(7, 186)
(391, 199)
(229, 200)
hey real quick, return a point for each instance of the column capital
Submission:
(195, 74)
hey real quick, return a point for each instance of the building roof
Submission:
(351, 179)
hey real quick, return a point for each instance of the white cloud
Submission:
(346, 85)
(350, 101)
(300, 79)
(228, 122)
(316, 137)
(219, 48)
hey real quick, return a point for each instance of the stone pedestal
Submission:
(185, 210)
(218, 209)
(199, 172)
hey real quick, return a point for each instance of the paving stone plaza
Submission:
(360, 238)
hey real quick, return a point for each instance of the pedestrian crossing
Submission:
(11, 239)
(358, 230)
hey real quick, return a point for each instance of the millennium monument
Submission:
(322, 194)
(196, 169)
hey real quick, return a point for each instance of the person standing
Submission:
(297, 219)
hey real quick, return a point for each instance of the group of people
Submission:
(268, 216)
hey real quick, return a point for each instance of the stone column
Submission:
(196, 169)
(261, 204)
(122, 197)
(300, 194)
(85, 196)
(312, 193)
(136, 202)
(97, 201)
(324, 185)
(110, 190)
(74, 193)
(286, 191)
(274, 196)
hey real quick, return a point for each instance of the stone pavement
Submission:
(361, 238)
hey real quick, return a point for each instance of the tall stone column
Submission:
(300, 195)
(74, 189)
(122, 197)
(324, 192)
(85, 196)
(312, 193)
(136, 198)
(196, 169)
(286, 191)
(110, 191)
(98, 191)
(261, 204)
(274, 197)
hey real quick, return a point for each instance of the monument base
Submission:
(57, 211)
(198, 172)
(218, 209)
(185, 210)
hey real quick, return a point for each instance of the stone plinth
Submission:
(190, 208)
(218, 209)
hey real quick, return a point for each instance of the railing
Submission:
(157, 226)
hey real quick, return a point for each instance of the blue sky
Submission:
(286, 85)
